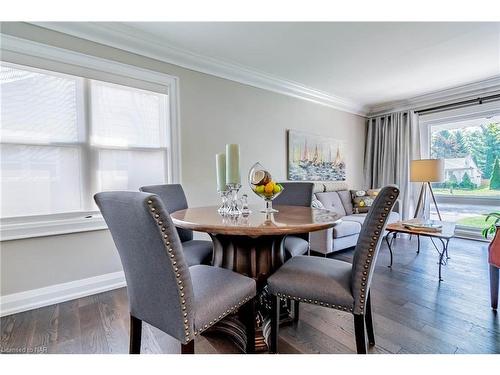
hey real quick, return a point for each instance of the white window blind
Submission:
(124, 117)
(129, 170)
(64, 138)
(38, 108)
(38, 180)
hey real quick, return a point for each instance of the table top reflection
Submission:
(288, 220)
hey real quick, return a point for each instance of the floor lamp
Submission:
(426, 171)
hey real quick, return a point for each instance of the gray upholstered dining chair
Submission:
(163, 290)
(334, 283)
(296, 194)
(174, 199)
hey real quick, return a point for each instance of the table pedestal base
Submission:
(258, 258)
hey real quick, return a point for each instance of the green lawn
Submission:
(475, 221)
(480, 192)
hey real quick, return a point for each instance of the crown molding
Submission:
(126, 38)
(463, 92)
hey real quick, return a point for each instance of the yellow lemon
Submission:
(259, 189)
(277, 189)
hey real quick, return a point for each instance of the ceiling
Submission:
(368, 63)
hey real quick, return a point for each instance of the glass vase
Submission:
(262, 184)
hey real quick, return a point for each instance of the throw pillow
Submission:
(316, 203)
(363, 199)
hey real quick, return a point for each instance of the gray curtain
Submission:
(392, 141)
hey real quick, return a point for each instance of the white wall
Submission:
(213, 112)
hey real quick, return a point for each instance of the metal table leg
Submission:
(418, 244)
(442, 254)
(389, 243)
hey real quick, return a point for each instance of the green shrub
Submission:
(495, 176)
(466, 182)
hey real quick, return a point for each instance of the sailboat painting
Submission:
(313, 157)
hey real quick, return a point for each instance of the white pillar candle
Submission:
(220, 166)
(233, 164)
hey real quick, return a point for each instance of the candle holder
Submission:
(245, 210)
(233, 209)
(224, 207)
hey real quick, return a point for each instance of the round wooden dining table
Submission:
(252, 245)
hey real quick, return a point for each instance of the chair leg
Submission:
(369, 321)
(135, 335)
(275, 322)
(359, 331)
(494, 281)
(188, 348)
(295, 305)
(248, 316)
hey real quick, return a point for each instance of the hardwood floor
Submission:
(413, 313)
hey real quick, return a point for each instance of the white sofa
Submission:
(335, 196)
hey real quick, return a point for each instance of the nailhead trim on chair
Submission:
(316, 302)
(223, 315)
(375, 238)
(367, 261)
(159, 222)
(180, 286)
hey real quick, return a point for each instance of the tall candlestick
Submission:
(233, 164)
(220, 166)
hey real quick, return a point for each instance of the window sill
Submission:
(50, 225)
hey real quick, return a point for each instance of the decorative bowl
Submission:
(262, 184)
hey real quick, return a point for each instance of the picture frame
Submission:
(313, 157)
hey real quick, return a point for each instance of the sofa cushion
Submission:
(358, 218)
(331, 201)
(346, 228)
(345, 197)
(316, 203)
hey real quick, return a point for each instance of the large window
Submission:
(65, 137)
(470, 147)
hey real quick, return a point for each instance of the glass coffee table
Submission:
(444, 236)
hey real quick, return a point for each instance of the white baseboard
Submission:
(35, 298)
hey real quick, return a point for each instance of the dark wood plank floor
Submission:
(413, 313)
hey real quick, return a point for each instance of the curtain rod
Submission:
(462, 103)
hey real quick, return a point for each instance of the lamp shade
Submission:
(427, 170)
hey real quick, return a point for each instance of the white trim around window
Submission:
(36, 55)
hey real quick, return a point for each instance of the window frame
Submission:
(427, 121)
(37, 56)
